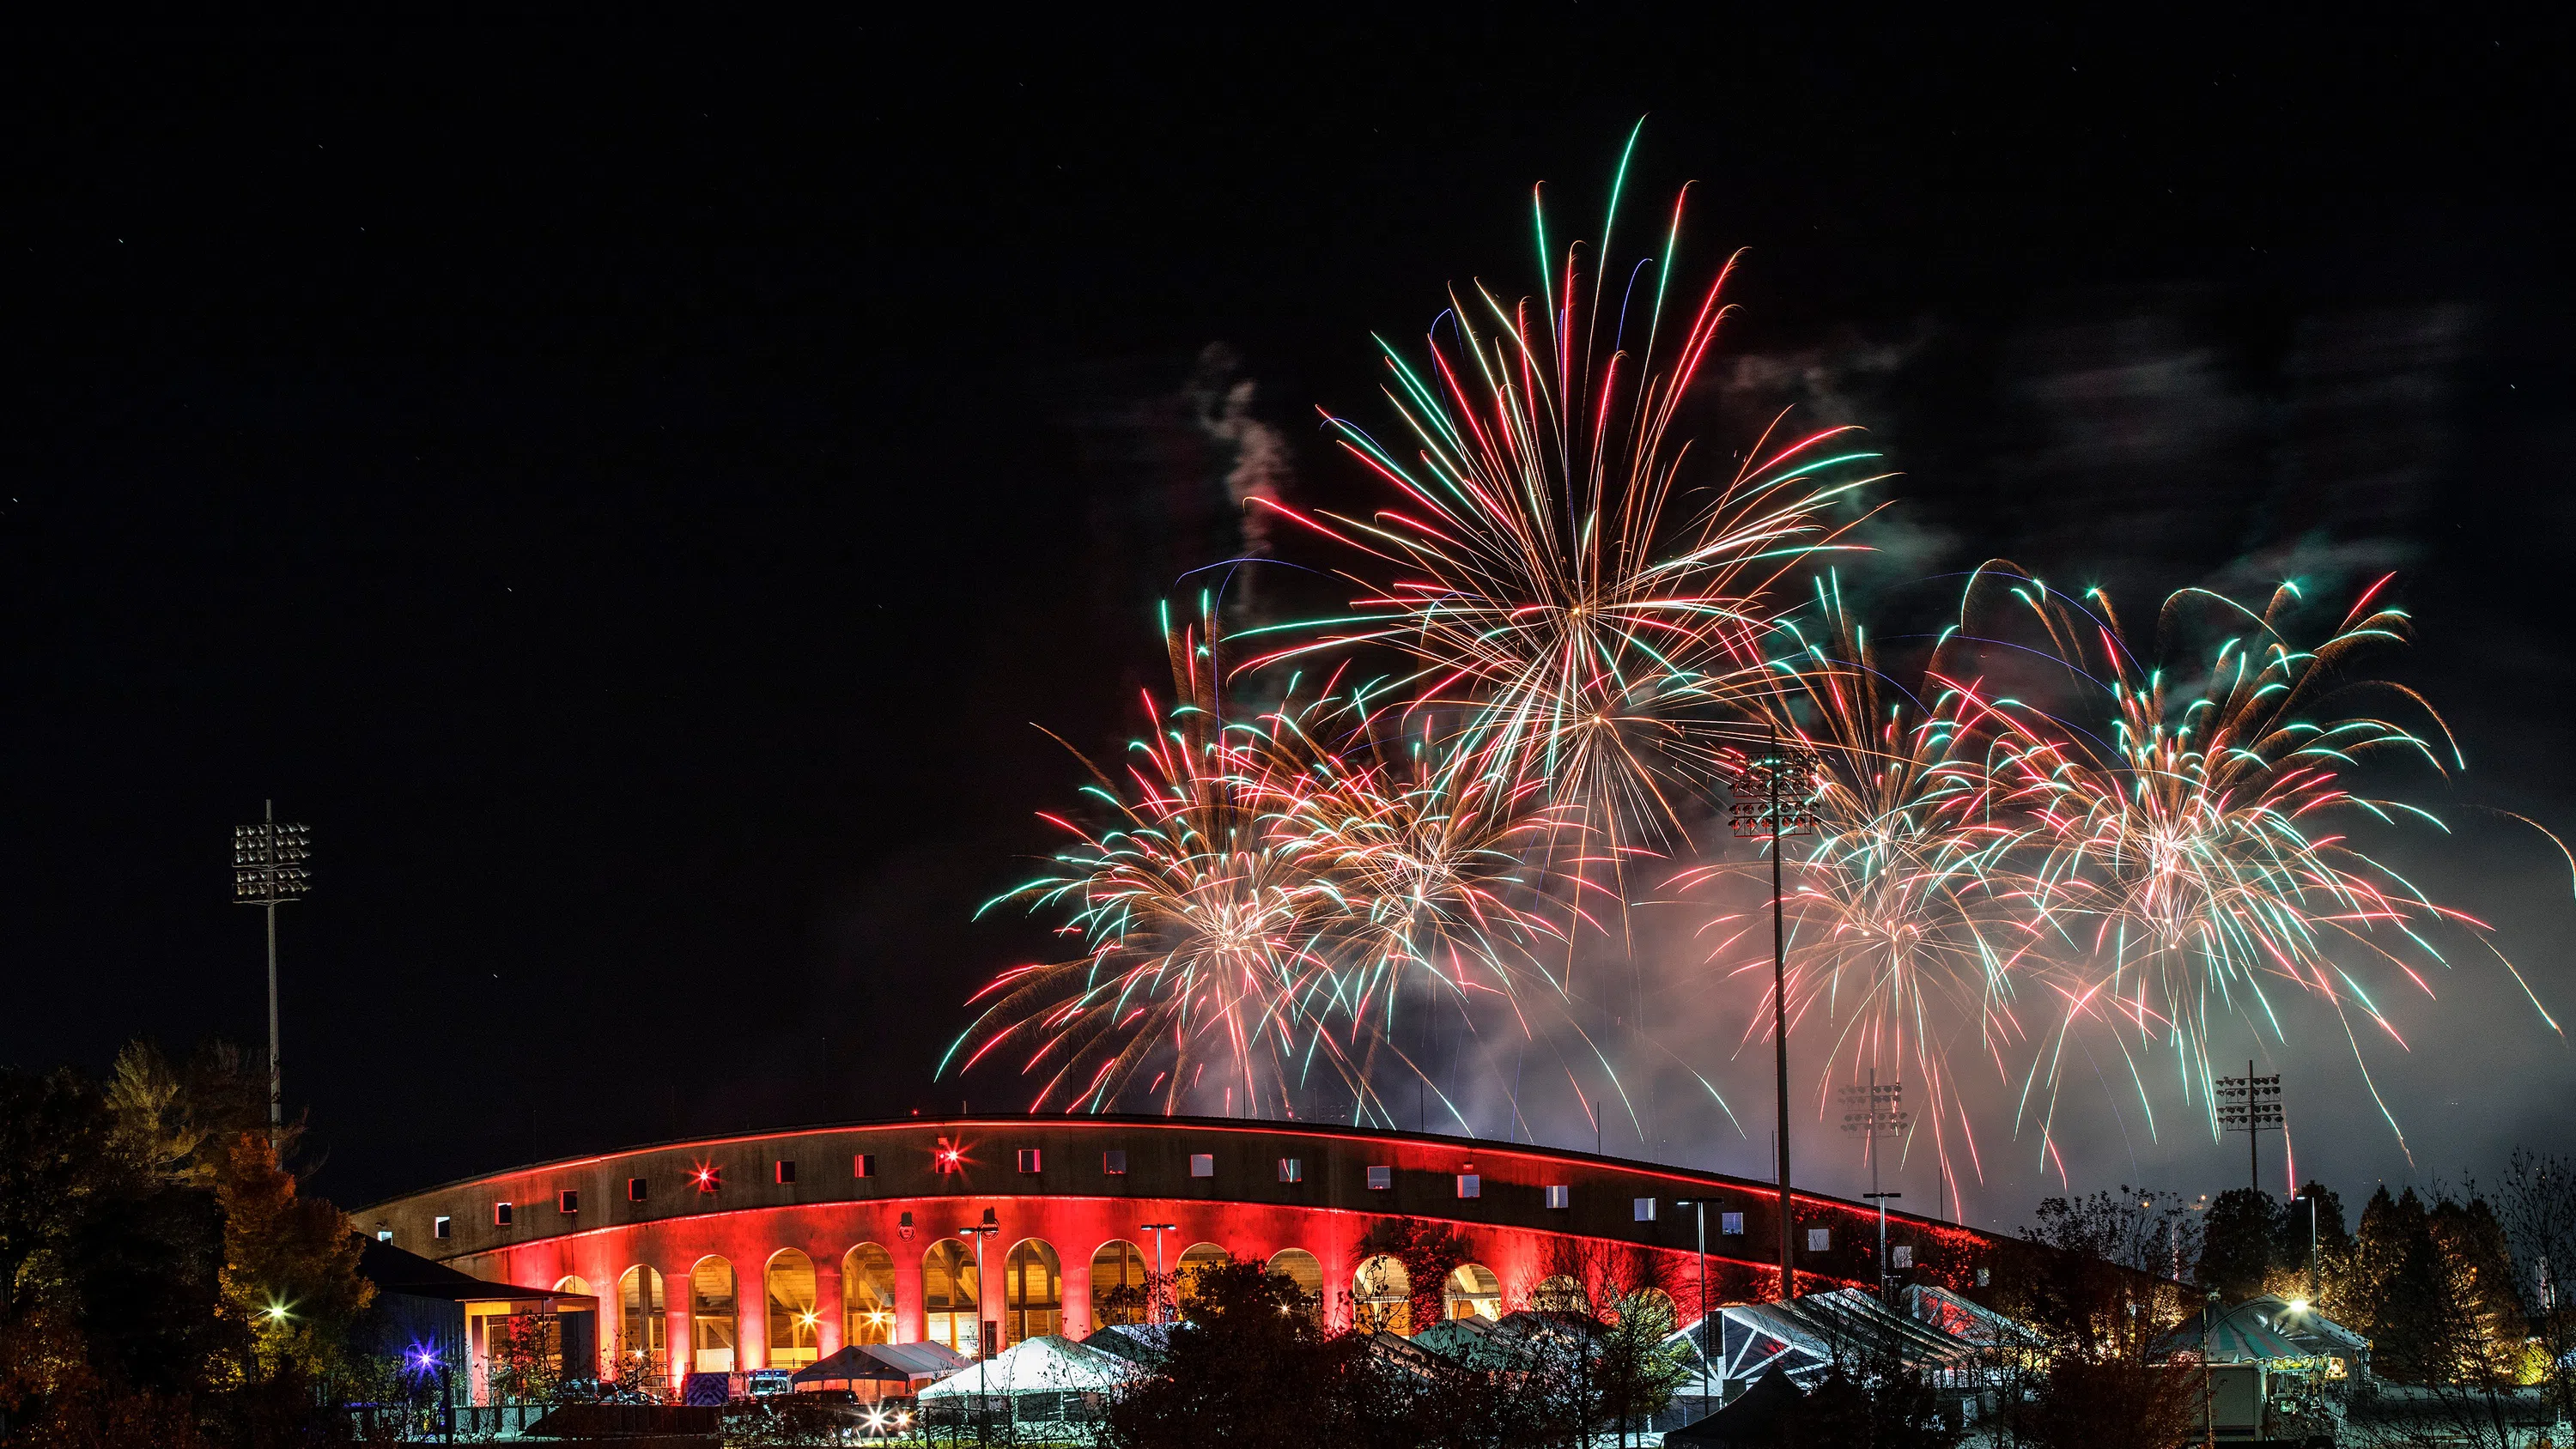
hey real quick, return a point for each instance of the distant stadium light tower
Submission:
(2251, 1105)
(268, 871)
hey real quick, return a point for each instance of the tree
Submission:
(1252, 1368)
(1641, 1367)
(2098, 1292)
(2238, 1243)
(1428, 1252)
(2536, 1203)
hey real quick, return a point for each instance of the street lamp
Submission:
(1154, 1290)
(1775, 796)
(1699, 1217)
(268, 872)
(983, 1339)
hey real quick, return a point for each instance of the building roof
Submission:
(2312, 1331)
(884, 1363)
(1965, 1319)
(1047, 1364)
(2240, 1334)
(394, 1271)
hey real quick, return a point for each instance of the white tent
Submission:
(1050, 1364)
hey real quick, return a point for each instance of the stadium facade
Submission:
(774, 1249)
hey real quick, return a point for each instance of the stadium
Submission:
(774, 1250)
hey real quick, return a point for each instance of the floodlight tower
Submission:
(1775, 796)
(2251, 1105)
(1871, 1111)
(268, 872)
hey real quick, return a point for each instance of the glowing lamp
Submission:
(2298, 1305)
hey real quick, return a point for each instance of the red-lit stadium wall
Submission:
(1217, 1182)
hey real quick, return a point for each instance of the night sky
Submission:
(632, 496)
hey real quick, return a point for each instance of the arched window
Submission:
(1197, 1256)
(639, 1323)
(1473, 1292)
(1032, 1292)
(867, 1295)
(1118, 1274)
(573, 1283)
(951, 1296)
(1382, 1296)
(795, 1325)
(1301, 1268)
(711, 1325)
(1560, 1294)
(1663, 1301)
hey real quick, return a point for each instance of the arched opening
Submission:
(1662, 1304)
(1473, 1292)
(640, 1325)
(1197, 1256)
(1303, 1269)
(867, 1295)
(1560, 1294)
(952, 1296)
(711, 1325)
(1118, 1274)
(1032, 1292)
(1382, 1296)
(573, 1283)
(795, 1325)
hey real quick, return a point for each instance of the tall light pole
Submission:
(1153, 1290)
(1881, 1114)
(1775, 796)
(2251, 1105)
(268, 872)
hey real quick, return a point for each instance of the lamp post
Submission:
(1153, 1290)
(268, 872)
(1775, 796)
(1699, 1217)
(983, 1337)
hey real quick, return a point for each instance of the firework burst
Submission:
(2193, 863)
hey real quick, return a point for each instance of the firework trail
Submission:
(2191, 865)
(1549, 570)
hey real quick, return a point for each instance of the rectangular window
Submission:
(1645, 1208)
(1470, 1185)
(1381, 1178)
(1731, 1224)
(440, 1228)
(568, 1201)
(500, 1215)
(1291, 1170)
(1202, 1164)
(1985, 1278)
(1820, 1240)
(634, 1189)
(786, 1173)
(1560, 1195)
(1028, 1159)
(1901, 1255)
(384, 1235)
(863, 1165)
(1114, 1162)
